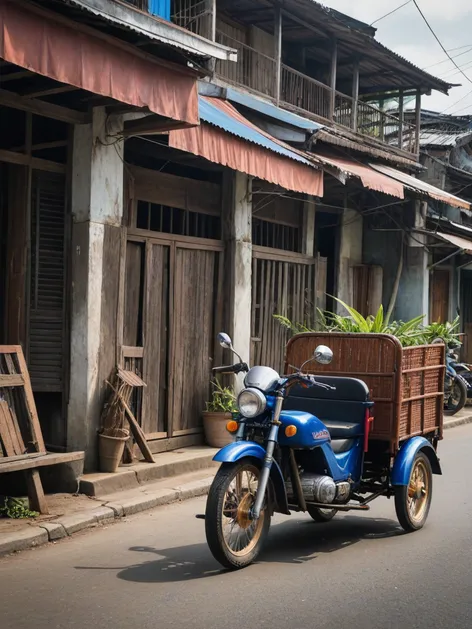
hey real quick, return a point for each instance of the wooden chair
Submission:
(22, 447)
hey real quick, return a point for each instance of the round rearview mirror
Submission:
(323, 355)
(224, 340)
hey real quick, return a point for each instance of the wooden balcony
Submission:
(259, 73)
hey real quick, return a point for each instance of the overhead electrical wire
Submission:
(438, 63)
(439, 41)
(391, 12)
(453, 72)
(456, 102)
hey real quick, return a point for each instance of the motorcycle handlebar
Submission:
(310, 381)
(237, 368)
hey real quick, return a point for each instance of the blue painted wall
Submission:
(160, 8)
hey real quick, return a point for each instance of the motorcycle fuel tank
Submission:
(310, 431)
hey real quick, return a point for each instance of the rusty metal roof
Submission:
(128, 18)
(421, 187)
(315, 25)
(432, 137)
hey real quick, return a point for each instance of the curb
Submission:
(459, 421)
(66, 526)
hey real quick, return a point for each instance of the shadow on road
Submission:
(291, 542)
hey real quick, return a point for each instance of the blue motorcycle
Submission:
(285, 458)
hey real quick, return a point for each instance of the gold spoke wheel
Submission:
(412, 503)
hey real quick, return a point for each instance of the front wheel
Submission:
(413, 501)
(321, 515)
(235, 540)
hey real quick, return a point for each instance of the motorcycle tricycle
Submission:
(302, 445)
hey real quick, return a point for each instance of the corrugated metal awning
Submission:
(271, 111)
(462, 243)
(155, 28)
(421, 187)
(228, 138)
(346, 168)
(38, 41)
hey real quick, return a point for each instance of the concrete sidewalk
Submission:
(72, 514)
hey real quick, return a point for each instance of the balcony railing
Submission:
(254, 69)
(194, 15)
(305, 93)
(257, 72)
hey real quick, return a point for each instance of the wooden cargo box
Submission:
(406, 384)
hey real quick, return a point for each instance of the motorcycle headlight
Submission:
(251, 403)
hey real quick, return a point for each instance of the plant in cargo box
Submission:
(409, 333)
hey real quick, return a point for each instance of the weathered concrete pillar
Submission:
(308, 226)
(350, 254)
(97, 210)
(238, 233)
(413, 295)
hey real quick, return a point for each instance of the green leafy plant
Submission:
(409, 333)
(15, 509)
(223, 399)
(448, 332)
(295, 328)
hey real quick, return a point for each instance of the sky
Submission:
(406, 33)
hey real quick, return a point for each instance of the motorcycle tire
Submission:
(459, 394)
(217, 505)
(321, 515)
(412, 510)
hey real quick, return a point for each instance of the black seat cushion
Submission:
(343, 430)
(341, 410)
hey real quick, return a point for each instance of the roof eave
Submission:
(155, 28)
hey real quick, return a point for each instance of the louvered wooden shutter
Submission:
(47, 294)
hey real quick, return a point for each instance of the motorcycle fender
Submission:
(247, 449)
(403, 463)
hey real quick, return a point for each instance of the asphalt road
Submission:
(155, 571)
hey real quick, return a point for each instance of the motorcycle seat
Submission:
(343, 430)
(342, 410)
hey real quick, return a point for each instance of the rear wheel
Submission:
(413, 501)
(234, 539)
(321, 515)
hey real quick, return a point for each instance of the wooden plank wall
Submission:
(284, 285)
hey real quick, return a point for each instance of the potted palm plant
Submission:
(219, 410)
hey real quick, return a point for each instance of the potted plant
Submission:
(219, 410)
(113, 435)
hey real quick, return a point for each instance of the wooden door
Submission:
(197, 303)
(440, 283)
(172, 313)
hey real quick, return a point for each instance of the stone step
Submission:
(167, 465)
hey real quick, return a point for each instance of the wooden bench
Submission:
(22, 447)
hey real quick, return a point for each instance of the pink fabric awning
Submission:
(233, 141)
(53, 47)
(369, 177)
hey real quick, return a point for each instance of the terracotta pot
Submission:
(110, 450)
(214, 425)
